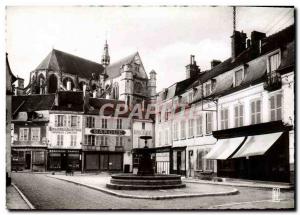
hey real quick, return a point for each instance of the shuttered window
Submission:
(182, 129)
(175, 131)
(90, 122)
(276, 107)
(104, 123)
(199, 125)
(60, 140)
(238, 77)
(208, 123)
(256, 111)
(60, 120)
(239, 115)
(73, 140)
(224, 118)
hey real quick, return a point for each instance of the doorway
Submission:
(179, 163)
(28, 160)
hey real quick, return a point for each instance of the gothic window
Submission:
(116, 91)
(138, 87)
(52, 84)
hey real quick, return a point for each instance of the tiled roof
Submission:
(32, 103)
(71, 64)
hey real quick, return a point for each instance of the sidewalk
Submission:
(14, 200)
(242, 183)
(98, 182)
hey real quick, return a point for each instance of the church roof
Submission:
(113, 70)
(71, 64)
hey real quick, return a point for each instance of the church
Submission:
(124, 80)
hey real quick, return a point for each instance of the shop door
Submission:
(191, 168)
(115, 161)
(178, 163)
(27, 160)
(104, 162)
(64, 161)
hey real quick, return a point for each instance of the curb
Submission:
(242, 185)
(232, 192)
(23, 197)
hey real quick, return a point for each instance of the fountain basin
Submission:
(144, 182)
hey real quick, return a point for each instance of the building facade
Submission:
(236, 116)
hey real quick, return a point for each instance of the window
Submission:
(256, 111)
(175, 132)
(73, 121)
(60, 140)
(103, 141)
(191, 127)
(238, 77)
(208, 123)
(97, 143)
(60, 121)
(275, 107)
(90, 140)
(143, 125)
(104, 123)
(38, 157)
(274, 62)
(224, 118)
(207, 89)
(199, 125)
(159, 138)
(90, 122)
(239, 115)
(35, 134)
(200, 155)
(73, 140)
(182, 127)
(119, 141)
(119, 123)
(24, 133)
(166, 137)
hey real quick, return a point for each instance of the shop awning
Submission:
(224, 148)
(257, 145)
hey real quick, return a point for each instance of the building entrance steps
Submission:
(241, 183)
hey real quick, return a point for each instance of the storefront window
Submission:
(38, 157)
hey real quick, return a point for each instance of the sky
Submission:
(165, 37)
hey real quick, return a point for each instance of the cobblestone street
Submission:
(50, 193)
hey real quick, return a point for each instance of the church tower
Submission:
(105, 57)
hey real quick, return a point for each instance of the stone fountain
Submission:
(145, 179)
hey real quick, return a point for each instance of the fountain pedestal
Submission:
(145, 178)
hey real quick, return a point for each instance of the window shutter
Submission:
(272, 102)
(64, 121)
(241, 115)
(56, 120)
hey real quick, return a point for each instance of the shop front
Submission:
(103, 161)
(63, 159)
(31, 159)
(255, 152)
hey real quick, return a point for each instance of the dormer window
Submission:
(207, 88)
(274, 61)
(238, 77)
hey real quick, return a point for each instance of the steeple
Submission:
(105, 57)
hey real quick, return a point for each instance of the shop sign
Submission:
(64, 130)
(142, 132)
(113, 132)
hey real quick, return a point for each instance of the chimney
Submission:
(256, 37)
(238, 43)
(214, 63)
(192, 70)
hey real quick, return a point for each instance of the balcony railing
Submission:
(273, 81)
